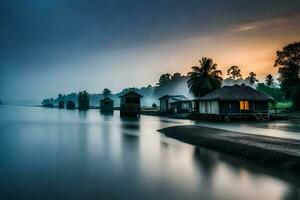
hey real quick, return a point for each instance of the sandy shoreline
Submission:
(269, 151)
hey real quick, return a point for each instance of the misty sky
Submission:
(60, 46)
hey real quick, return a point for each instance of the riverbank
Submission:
(270, 151)
(158, 114)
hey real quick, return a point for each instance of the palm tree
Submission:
(252, 78)
(204, 78)
(269, 80)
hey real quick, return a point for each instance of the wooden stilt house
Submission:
(235, 101)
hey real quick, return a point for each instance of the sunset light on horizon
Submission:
(80, 50)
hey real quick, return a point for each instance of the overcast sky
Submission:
(60, 46)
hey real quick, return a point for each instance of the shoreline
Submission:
(270, 151)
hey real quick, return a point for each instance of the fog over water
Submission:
(60, 154)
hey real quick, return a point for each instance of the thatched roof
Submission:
(175, 98)
(131, 92)
(237, 92)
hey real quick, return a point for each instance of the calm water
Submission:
(59, 154)
(282, 129)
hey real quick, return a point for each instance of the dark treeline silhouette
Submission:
(205, 78)
(70, 105)
(48, 103)
(273, 91)
(269, 80)
(235, 77)
(61, 104)
(154, 105)
(83, 100)
(177, 84)
(106, 92)
(234, 73)
(252, 78)
(288, 61)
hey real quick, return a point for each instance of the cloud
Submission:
(282, 21)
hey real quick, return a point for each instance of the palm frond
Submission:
(204, 78)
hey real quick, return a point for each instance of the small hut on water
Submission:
(106, 105)
(130, 104)
(235, 101)
(175, 104)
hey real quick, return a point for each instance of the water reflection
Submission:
(82, 114)
(87, 155)
(283, 129)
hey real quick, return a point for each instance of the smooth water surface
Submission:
(60, 154)
(283, 129)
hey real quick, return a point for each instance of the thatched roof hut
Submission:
(130, 104)
(236, 92)
(237, 100)
(106, 105)
(175, 104)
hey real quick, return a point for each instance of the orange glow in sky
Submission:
(251, 46)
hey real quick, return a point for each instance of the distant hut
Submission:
(130, 104)
(106, 105)
(235, 101)
(70, 105)
(175, 104)
(61, 104)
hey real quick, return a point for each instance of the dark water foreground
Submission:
(60, 154)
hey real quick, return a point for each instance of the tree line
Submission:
(206, 77)
(68, 101)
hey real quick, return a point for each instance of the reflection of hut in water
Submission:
(61, 104)
(235, 101)
(106, 105)
(175, 104)
(130, 104)
(70, 105)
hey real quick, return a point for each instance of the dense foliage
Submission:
(83, 101)
(47, 103)
(167, 78)
(274, 92)
(288, 60)
(269, 80)
(70, 105)
(61, 104)
(204, 78)
(296, 98)
(106, 92)
(234, 73)
(154, 105)
(252, 78)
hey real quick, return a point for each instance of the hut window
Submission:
(244, 105)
